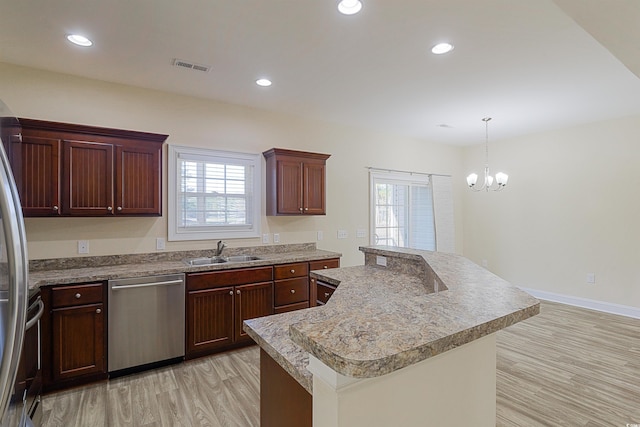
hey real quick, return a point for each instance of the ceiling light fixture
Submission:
(349, 7)
(487, 184)
(442, 48)
(79, 40)
(263, 82)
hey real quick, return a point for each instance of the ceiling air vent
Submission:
(191, 65)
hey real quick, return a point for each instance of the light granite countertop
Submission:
(92, 269)
(381, 319)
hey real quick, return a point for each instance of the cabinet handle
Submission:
(324, 266)
(119, 208)
(55, 208)
(327, 294)
(98, 311)
(78, 295)
(300, 209)
(293, 291)
(306, 209)
(230, 292)
(109, 208)
(238, 291)
(293, 271)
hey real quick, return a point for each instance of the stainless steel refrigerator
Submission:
(13, 284)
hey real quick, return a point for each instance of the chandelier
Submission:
(487, 183)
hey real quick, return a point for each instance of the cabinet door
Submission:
(253, 300)
(209, 319)
(138, 180)
(314, 191)
(39, 186)
(88, 178)
(78, 341)
(290, 190)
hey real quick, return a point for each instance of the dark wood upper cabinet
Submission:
(138, 192)
(38, 167)
(88, 178)
(296, 182)
(76, 170)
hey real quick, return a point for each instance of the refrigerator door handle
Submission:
(17, 266)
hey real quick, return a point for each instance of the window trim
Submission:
(176, 233)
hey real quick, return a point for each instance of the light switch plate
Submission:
(160, 244)
(361, 233)
(342, 234)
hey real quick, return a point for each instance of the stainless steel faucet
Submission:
(220, 248)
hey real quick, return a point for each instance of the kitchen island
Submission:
(409, 342)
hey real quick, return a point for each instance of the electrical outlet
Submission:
(276, 237)
(381, 260)
(591, 278)
(160, 244)
(485, 263)
(342, 234)
(265, 238)
(83, 246)
(320, 235)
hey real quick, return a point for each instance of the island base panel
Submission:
(283, 402)
(455, 388)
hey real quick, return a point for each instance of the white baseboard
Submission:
(607, 307)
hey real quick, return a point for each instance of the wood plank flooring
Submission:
(565, 367)
(569, 367)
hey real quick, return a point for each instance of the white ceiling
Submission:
(527, 64)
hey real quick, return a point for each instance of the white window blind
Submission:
(213, 194)
(402, 210)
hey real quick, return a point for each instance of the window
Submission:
(402, 211)
(213, 194)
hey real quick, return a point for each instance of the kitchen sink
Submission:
(193, 262)
(241, 258)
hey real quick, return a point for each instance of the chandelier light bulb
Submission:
(472, 179)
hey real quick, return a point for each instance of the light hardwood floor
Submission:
(565, 367)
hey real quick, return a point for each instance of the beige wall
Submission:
(196, 122)
(572, 207)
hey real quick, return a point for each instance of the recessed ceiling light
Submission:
(263, 82)
(79, 40)
(441, 48)
(349, 7)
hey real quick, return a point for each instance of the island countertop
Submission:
(381, 319)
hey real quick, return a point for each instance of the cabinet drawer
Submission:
(287, 271)
(214, 279)
(324, 292)
(63, 296)
(291, 291)
(324, 264)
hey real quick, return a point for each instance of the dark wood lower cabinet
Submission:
(251, 301)
(218, 303)
(210, 319)
(283, 402)
(78, 341)
(73, 335)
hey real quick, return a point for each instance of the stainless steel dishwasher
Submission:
(146, 322)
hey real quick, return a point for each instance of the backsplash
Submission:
(101, 261)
